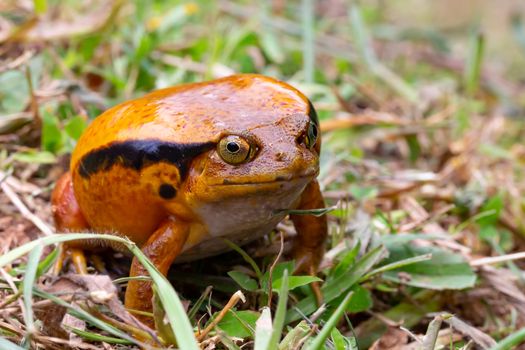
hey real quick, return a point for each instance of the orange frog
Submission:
(182, 168)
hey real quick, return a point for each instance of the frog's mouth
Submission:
(276, 180)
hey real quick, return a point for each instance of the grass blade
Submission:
(511, 341)
(339, 285)
(196, 305)
(429, 341)
(84, 315)
(307, 13)
(268, 38)
(40, 6)
(179, 322)
(57, 238)
(295, 336)
(263, 330)
(474, 63)
(159, 315)
(99, 337)
(227, 342)
(246, 257)
(314, 212)
(368, 55)
(280, 313)
(318, 341)
(47, 262)
(29, 281)
(396, 265)
(7, 345)
(518, 29)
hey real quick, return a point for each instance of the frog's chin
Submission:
(244, 211)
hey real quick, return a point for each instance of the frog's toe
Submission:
(307, 261)
(77, 258)
(316, 289)
(98, 263)
(59, 263)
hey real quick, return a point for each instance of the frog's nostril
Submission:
(279, 156)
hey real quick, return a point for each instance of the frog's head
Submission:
(244, 138)
(267, 140)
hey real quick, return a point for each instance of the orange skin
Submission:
(153, 169)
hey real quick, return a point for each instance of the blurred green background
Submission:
(104, 52)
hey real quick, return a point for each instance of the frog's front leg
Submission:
(162, 247)
(308, 247)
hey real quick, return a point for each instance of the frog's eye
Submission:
(311, 135)
(234, 149)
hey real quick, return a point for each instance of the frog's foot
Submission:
(98, 263)
(77, 258)
(307, 261)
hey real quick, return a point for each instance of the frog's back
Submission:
(193, 113)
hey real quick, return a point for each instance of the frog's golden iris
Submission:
(182, 168)
(234, 149)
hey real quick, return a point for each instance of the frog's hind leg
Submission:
(68, 218)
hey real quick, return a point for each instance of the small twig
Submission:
(318, 313)
(429, 218)
(231, 303)
(34, 102)
(9, 280)
(131, 81)
(368, 117)
(15, 199)
(11, 283)
(210, 341)
(144, 333)
(9, 327)
(387, 321)
(429, 341)
(270, 272)
(301, 342)
(17, 62)
(497, 259)
(412, 335)
(41, 304)
(10, 300)
(47, 342)
(218, 70)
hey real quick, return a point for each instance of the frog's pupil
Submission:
(233, 147)
(167, 191)
(314, 130)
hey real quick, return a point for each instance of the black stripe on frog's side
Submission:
(313, 114)
(137, 154)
